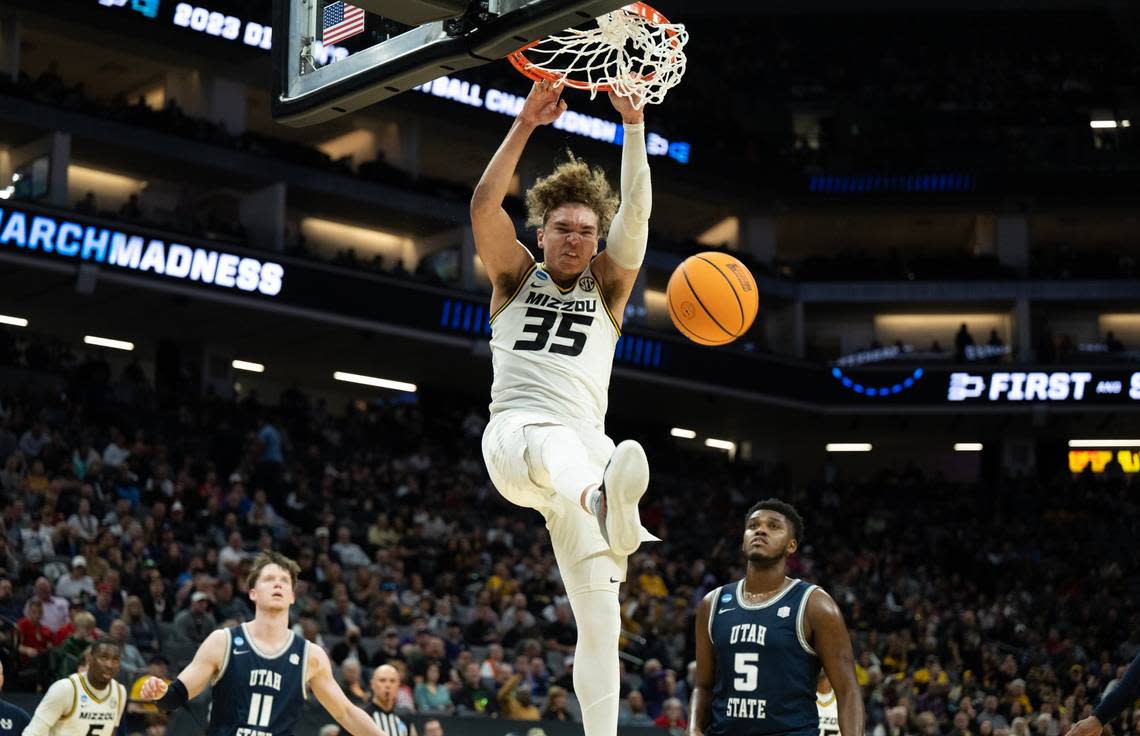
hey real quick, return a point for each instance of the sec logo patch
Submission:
(586, 283)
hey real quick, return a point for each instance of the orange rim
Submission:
(524, 66)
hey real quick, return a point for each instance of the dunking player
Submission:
(554, 326)
(87, 703)
(761, 640)
(261, 671)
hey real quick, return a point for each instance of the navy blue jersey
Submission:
(765, 669)
(259, 693)
(13, 719)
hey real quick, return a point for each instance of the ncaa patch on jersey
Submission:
(541, 275)
(238, 641)
(784, 611)
(726, 598)
(294, 659)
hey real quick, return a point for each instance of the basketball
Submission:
(712, 298)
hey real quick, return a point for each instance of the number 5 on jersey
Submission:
(747, 671)
(539, 323)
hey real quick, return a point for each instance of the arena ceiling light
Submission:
(967, 447)
(720, 444)
(245, 365)
(106, 342)
(14, 321)
(1104, 443)
(848, 446)
(1109, 124)
(685, 434)
(374, 381)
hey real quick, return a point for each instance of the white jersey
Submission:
(553, 349)
(828, 714)
(72, 707)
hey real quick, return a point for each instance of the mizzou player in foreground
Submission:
(87, 703)
(554, 326)
(761, 641)
(261, 671)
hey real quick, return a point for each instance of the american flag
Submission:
(341, 21)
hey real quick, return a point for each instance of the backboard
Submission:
(333, 57)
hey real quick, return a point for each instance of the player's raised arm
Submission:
(700, 705)
(628, 235)
(321, 682)
(503, 256)
(192, 680)
(832, 644)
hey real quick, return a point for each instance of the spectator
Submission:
(352, 682)
(431, 696)
(80, 639)
(556, 709)
(433, 727)
(115, 454)
(36, 642)
(990, 713)
(962, 340)
(56, 611)
(37, 540)
(76, 584)
(672, 717)
(133, 662)
(196, 622)
(143, 631)
(632, 711)
(83, 524)
(537, 680)
(34, 439)
(471, 697)
(229, 607)
(515, 703)
(349, 553)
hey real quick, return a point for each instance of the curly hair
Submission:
(572, 181)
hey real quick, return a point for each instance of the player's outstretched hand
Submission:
(624, 105)
(543, 105)
(153, 689)
(1090, 726)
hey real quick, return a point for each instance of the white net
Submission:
(633, 52)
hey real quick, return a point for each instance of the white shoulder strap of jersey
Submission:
(712, 608)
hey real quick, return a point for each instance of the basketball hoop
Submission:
(633, 52)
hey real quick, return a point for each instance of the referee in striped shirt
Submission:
(382, 707)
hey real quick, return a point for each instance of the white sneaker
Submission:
(623, 484)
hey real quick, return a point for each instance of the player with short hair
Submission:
(554, 326)
(761, 640)
(87, 703)
(261, 671)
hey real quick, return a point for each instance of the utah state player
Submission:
(261, 671)
(761, 640)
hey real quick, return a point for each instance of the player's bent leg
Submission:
(505, 454)
(557, 456)
(592, 587)
(625, 481)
